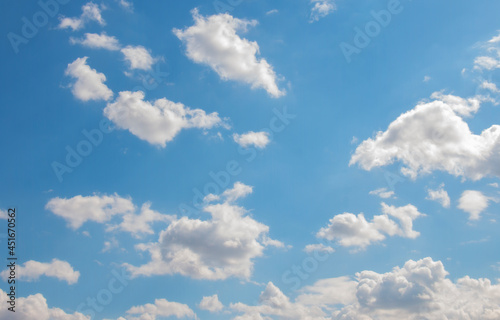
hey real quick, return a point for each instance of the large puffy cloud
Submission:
(350, 230)
(158, 122)
(418, 290)
(321, 9)
(90, 12)
(35, 307)
(214, 41)
(434, 136)
(89, 84)
(160, 309)
(32, 270)
(138, 57)
(217, 248)
(97, 41)
(473, 202)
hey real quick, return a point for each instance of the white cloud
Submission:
(433, 136)
(32, 270)
(321, 9)
(495, 39)
(258, 139)
(35, 307)
(4, 214)
(161, 308)
(473, 202)
(494, 185)
(486, 63)
(211, 304)
(127, 5)
(214, 41)
(355, 231)
(273, 11)
(138, 57)
(78, 210)
(220, 247)
(97, 41)
(274, 303)
(89, 84)
(318, 247)
(490, 86)
(90, 12)
(139, 224)
(418, 290)
(158, 122)
(440, 195)
(383, 193)
(427, 79)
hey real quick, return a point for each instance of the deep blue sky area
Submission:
(347, 153)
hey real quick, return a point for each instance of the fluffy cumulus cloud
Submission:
(418, 290)
(440, 195)
(222, 246)
(138, 57)
(35, 307)
(97, 41)
(158, 122)
(473, 202)
(214, 41)
(211, 304)
(491, 59)
(79, 209)
(257, 139)
(160, 310)
(434, 136)
(33, 270)
(90, 12)
(383, 193)
(321, 8)
(351, 230)
(102, 208)
(89, 84)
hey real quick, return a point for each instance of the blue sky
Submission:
(307, 159)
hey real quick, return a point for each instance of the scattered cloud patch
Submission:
(90, 12)
(211, 304)
(321, 9)
(127, 5)
(318, 247)
(33, 270)
(138, 57)
(440, 195)
(273, 11)
(159, 310)
(214, 41)
(158, 122)
(89, 84)
(473, 202)
(350, 230)
(257, 139)
(383, 193)
(427, 78)
(97, 41)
